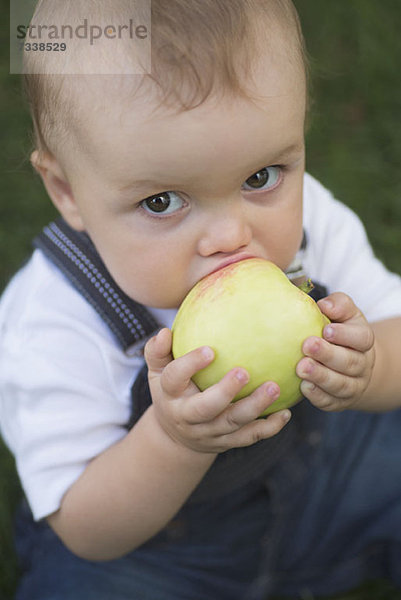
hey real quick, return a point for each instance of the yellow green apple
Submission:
(253, 317)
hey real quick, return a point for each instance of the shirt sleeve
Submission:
(65, 395)
(339, 255)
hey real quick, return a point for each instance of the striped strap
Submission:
(75, 255)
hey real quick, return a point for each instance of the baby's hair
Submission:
(199, 47)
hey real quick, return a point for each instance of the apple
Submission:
(253, 317)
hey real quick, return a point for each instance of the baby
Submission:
(161, 179)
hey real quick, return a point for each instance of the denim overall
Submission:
(313, 510)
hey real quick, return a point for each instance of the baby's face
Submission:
(168, 198)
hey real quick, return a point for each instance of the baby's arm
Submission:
(132, 490)
(357, 365)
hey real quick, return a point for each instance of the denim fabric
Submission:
(325, 518)
(344, 525)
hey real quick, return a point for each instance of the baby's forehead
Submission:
(122, 97)
(117, 118)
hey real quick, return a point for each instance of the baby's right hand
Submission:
(207, 421)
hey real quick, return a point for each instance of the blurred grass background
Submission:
(353, 147)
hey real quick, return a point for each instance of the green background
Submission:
(353, 147)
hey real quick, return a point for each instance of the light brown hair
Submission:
(198, 46)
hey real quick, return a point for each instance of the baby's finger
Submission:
(331, 382)
(158, 351)
(344, 360)
(339, 307)
(177, 374)
(258, 430)
(206, 406)
(320, 398)
(359, 337)
(247, 409)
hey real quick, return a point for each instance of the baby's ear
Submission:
(58, 187)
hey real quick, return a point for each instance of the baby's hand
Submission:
(338, 368)
(207, 421)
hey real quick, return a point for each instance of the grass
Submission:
(354, 147)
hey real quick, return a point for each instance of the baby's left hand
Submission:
(336, 370)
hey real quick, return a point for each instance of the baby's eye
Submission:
(265, 179)
(165, 203)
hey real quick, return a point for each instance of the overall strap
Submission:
(75, 255)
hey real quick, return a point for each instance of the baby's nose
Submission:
(225, 232)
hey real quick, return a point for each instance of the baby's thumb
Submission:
(158, 351)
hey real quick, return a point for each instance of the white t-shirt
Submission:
(65, 382)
